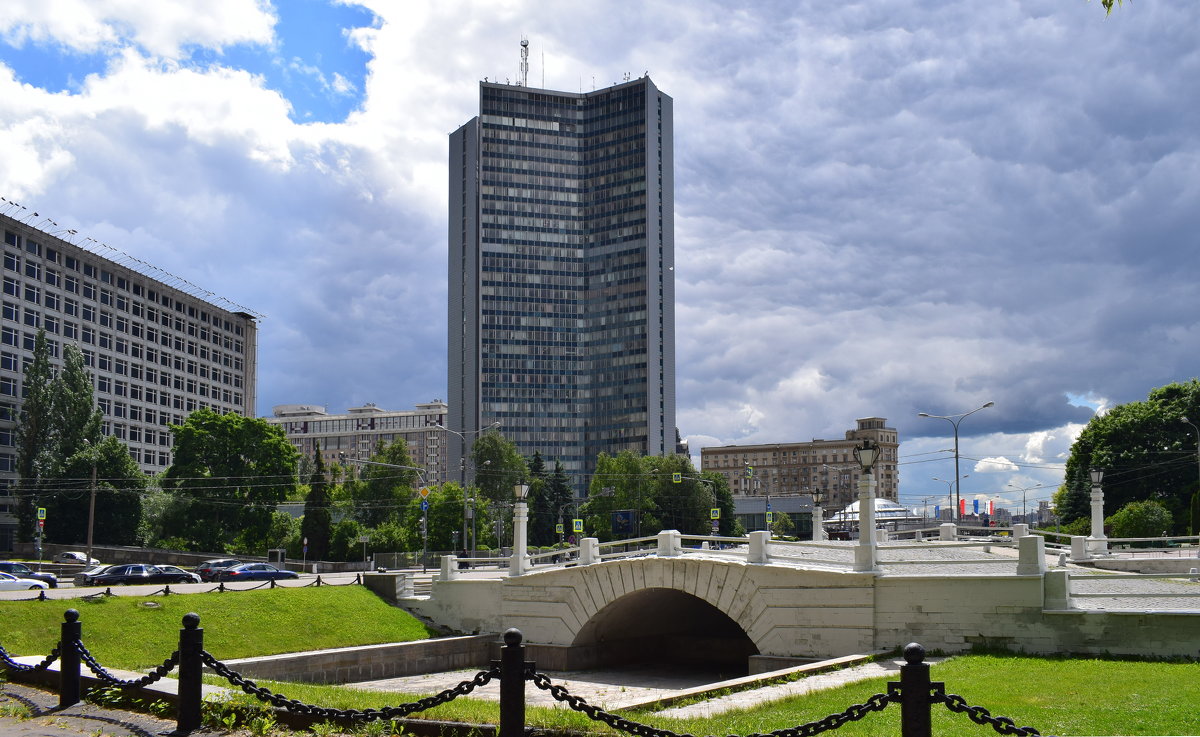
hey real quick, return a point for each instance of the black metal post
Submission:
(915, 720)
(191, 667)
(512, 685)
(68, 659)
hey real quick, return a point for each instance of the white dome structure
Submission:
(886, 510)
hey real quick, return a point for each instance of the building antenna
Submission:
(523, 80)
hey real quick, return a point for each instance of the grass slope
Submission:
(124, 633)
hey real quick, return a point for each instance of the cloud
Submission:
(881, 209)
(162, 29)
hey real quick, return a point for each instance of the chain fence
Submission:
(914, 693)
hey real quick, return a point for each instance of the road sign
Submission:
(716, 527)
(424, 505)
(749, 470)
(714, 513)
(41, 513)
(770, 517)
(424, 492)
(677, 478)
(558, 529)
(577, 525)
(364, 539)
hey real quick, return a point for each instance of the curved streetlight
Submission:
(950, 486)
(1197, 429)
(468, 503)
(954, 420)
(1023, 490)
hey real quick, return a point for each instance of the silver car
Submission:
(9, 582)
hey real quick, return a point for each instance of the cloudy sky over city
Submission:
(882, 208)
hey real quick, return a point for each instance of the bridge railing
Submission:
(914, 693)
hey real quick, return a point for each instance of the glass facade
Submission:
(561, 250)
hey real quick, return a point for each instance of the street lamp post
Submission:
(1197, 429)
(424, 504)
(91, 503)
(518, 564)
(1024, 512)
(864, 552)
(950, 487)
(954, 420)
(1097, 541)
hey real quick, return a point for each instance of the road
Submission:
(66, 590)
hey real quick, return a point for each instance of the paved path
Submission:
(614, 689)
(44, 719)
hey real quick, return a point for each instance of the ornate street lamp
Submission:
(954, 420)
(518, 564)
(864, 553)
(818, 516)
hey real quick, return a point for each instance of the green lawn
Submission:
(124, 633)
(1056, 696)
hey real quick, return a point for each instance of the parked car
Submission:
(135, 573)
(208, 569)
(185, 576)
(254, 572)
(75, 558)
(84, 577)
(9, 582)
(20, 570)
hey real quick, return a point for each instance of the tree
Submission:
(1139, 519)
(73, 414)
(317, 525)
(33, 435)
(120, 487)
(231, 471)
(384, 491)
(1145, 449)
(498, 466)
(643, 490)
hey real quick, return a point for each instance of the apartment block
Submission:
(826, 467)
(359, 431)
(157, 351)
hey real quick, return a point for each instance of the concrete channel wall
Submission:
(372, 662)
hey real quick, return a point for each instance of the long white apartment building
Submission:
(156, 349)
(359, 431)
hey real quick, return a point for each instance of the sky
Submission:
(883, 208)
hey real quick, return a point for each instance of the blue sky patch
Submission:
(313, 63)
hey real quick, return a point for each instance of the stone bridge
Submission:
(763, 605)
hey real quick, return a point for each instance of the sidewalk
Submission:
(46, 720)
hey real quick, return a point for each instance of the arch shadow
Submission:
(664, 626)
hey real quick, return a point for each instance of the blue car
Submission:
(253, 572)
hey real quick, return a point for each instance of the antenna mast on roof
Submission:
(523, 78)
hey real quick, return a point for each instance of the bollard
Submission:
(915, 719)
(512, 685)
(191, 668)
(68, 659)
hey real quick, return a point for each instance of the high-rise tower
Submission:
(561, 273)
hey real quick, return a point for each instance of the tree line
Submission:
(230, 474)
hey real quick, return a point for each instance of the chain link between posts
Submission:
(23, 668)
(481, 678)
(94, 666)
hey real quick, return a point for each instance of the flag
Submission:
(975, 504)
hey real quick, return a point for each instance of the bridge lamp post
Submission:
(818, 516)
(1097, 542)
(518, 564)
(864, 553)
(954, 420)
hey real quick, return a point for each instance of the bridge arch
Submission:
(666, 625)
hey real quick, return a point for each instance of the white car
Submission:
(9, 582)
(72, 557)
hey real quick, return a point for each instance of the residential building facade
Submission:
(824, 467)
(561, 281)
(156, 351)
(359, 431)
